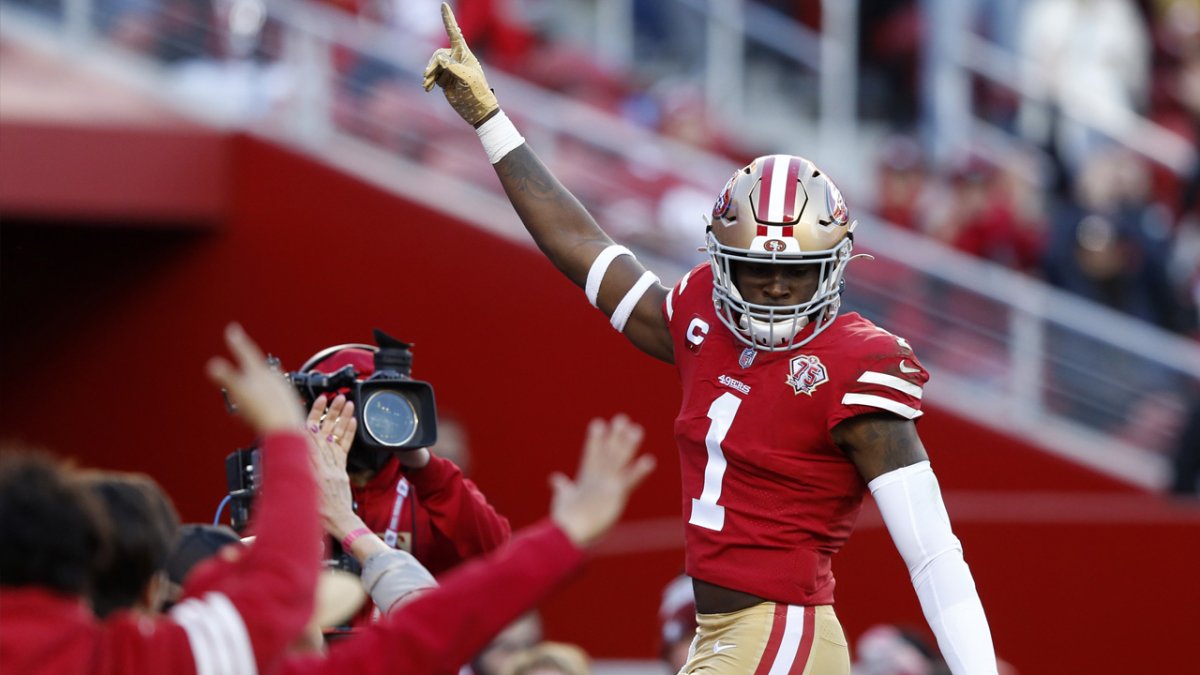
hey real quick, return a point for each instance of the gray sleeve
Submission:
(388, 576)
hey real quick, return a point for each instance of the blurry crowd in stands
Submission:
(1057, 201)
(1067, 205)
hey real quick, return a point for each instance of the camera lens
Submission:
(390, 418)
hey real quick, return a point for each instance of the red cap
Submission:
(363, 361)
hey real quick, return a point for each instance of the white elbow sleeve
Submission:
(911, 503)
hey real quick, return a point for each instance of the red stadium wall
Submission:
(107, 330)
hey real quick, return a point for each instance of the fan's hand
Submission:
(610, 469)
(263, 397)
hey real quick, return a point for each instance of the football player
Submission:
(790, 408)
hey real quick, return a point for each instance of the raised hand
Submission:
(333, 426)
(458, 73)
(263, 397)
(590, 505)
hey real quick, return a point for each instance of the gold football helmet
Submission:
(779, 209)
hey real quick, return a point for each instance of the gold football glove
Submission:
(458, 73)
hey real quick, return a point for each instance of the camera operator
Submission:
(408, 499)
(388, 575)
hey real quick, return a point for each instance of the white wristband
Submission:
(499, 137)
(621, 314)
(599, 268)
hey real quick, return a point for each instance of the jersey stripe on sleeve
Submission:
(240, 648)
(901, 385)
(217, 635)
(907, 412)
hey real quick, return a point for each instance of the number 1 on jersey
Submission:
(706, 512)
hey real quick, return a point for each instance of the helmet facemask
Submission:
(808, 224)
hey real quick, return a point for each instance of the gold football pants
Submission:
(769, 639)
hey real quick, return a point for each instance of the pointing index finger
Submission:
(452, 29)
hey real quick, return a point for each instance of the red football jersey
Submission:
(768, 496)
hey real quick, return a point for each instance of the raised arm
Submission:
(615, 281)
(891, 458)
(240, 615)
(444, 627)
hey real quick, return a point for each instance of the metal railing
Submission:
(964, 54)
(1005, 350)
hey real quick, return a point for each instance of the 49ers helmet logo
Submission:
(806, 373)
(725, 200)
(836, 205)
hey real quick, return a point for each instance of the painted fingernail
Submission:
(314, 428)
(329, 438)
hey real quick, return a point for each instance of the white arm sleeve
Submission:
(389, 576)
(911, 503)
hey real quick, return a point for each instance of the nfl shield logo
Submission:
(747, 357)
(806, 373)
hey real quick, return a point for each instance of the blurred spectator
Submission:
(133, 24)
(1186, 466)
(224, 53)
(1090, 55)
(502, 37)
(664, 39)
(901, 182)
(145, 526)
(248, 609)
(1184, 271)
(677, 622)
(889, 650)
(194, 542)
(980, 217)
(551, 658)
(54, 532)
(885, 649)
(501, 654)
(890, 45)
(581, 512)
(1111, 246)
